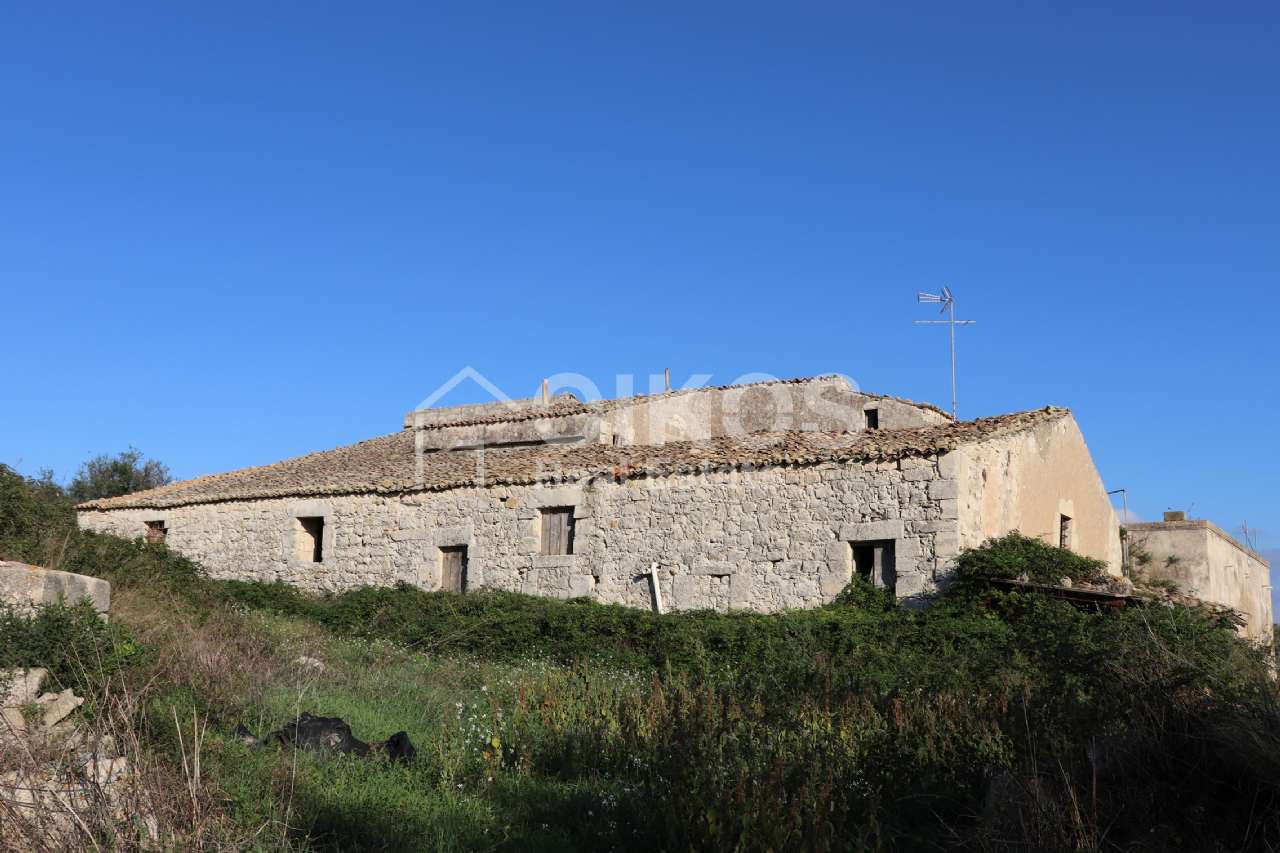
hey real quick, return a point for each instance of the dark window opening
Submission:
(311, 539)
(453, 568)
(156, 532)
(1064, 531)
(873, 418)
(557, 530)
(873, 561)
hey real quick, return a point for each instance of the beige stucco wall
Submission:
(1026, 480)
(764, 539)
(1206, 563)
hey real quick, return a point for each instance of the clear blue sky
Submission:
(235, 232)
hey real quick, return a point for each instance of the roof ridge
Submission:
(386, 464)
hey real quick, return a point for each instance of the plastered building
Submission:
(765, 496)
(1205, 563)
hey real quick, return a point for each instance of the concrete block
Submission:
(581, 585)
(911, 583)
(832, 581)
(940, 489)
(868, 530)
(908, 546)
(30, 586)
(684, 591)
(949, 465)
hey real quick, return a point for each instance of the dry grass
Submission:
(60, 793)
(104, 789)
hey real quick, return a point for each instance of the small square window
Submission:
(557, 530)
(309, 539)
(873, 561)
(873, 418)
(156, 532)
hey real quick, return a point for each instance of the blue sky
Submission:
(232, 233)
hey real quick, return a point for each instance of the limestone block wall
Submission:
(1208, 564)
(1029, 480)
(766, 539)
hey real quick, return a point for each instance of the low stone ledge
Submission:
(31, 586)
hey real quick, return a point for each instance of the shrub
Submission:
(1014, 555)
(71, 641)
(36, 518)
(111, 476)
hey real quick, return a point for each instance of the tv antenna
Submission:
(948, 303)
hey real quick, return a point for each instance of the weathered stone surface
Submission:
(762, 539)
(20, 687)
(759, 521)
(56, 707)
(30, 586)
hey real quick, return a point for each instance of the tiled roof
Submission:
(562, 406)
(521, 410)
(386, 465)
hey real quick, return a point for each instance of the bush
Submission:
(111, 476)
(71, 641)
(36, 518)
(1014, 555)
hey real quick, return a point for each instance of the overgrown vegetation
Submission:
(990, 721)
(111, 476)
(1017, 556)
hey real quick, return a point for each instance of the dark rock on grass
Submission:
(320, 734)
(246, 737)
(331, 735)
(398, 747)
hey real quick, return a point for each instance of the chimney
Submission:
(1175, 515)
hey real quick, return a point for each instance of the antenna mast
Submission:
(948, 302)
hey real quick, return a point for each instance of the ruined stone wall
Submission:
(767, 540)
(1206, 563)
(1027, 480)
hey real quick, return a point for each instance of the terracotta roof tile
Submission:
(386, 464)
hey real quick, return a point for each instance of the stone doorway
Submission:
(453, 568)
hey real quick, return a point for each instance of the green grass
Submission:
(991, 721)
(457, 795)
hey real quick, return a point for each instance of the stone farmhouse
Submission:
(764, 496)
(1206, 563)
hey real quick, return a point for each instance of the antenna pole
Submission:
(948, 302)
(951, 303)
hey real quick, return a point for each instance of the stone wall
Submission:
(766, 539)
(820, 404)
(1207, 563)
(823, 403)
